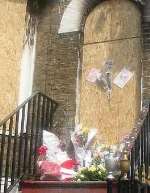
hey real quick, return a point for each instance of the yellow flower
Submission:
(85, 130)
(99, 172)
(92, 168)
(101, 167)
(82, 169)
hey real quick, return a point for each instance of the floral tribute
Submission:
(55, 164)
(102, 78)
(91, 161)
(95, 172)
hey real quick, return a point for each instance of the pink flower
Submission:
(42, 150)
(49, 170)
(69, 164)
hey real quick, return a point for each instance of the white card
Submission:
(93, 75)
(123, 77)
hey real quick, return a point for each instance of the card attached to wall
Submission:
(123, 78)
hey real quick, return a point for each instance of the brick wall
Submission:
(56, 63)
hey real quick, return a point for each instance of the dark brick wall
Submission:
(56, 63)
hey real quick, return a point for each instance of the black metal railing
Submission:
(138, 147)
(21, 134)
(140, 156)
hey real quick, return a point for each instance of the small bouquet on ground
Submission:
(95, 172)
(53, 163)
(46, 168)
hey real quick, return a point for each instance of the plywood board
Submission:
(119, 41)
(116, 118)
(111, 20)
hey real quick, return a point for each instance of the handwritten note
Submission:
(123, 78)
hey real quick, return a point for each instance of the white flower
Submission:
(92, 168)
(82, 176)
(82, 169)
(101, 167)
(99, 172)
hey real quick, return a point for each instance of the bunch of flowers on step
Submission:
(95, 172)
(54, 163)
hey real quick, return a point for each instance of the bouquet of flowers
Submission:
(82, 139)
(95, 172)
(53, 163)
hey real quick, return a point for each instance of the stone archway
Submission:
(112, 31)
(77, 11)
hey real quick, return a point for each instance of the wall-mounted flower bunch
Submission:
(102, 78)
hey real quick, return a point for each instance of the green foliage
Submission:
(92, 173)
(96, 161)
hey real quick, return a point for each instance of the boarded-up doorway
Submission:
(112, 31)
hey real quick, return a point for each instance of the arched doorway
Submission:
(112, 32)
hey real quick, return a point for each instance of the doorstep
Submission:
(32, 186)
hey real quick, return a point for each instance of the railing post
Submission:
(109, 186)
(21, 142)
(32, 134)
(43, 112)
(27, 136)
(124, 186)
(8, 154)
(38, 134)
(2, 153)
(13, 175)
